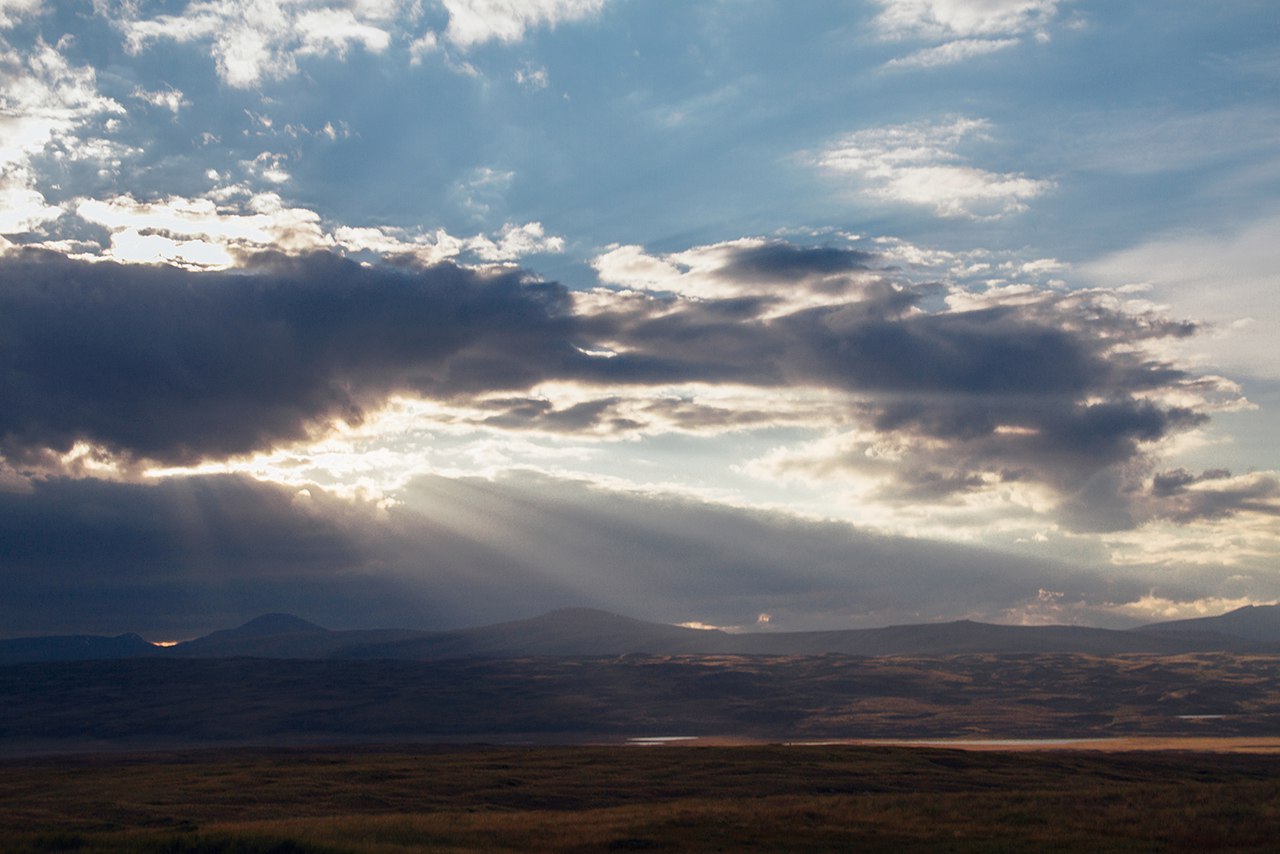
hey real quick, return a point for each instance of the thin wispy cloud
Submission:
(950, 53)
(948, 19)
(963, 30)
(920, 164)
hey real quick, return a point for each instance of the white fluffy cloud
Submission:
(209, 233)
(22, 207)
(261, 39)
(474, 22)
(44, 101)
(46, 104)
(256, 40)
(918, 164)
(12, 10)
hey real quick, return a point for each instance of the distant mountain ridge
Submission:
(75, 648)
(1259, 623)
(590, 632)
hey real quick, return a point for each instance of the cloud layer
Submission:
(1055, 396)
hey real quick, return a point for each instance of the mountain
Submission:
(270, 624)
(569, 631)
(283, 636)
(588, 632)
(584, 632)
(967, 636)
(74, 648)
(1257, 623)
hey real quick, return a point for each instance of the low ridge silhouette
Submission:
(592, 632)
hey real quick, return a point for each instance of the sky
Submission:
(742, 313)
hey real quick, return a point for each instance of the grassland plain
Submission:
(401, 798)
(765, 697)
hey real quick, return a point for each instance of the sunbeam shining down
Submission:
(428, 314)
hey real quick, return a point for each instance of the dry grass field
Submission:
(759, 797)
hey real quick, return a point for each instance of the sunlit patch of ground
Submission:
(1195, 744)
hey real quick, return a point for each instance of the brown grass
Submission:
(762, 797)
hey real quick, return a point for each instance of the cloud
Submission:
(1190, 273)
(162, 364)
(1214, 494)
(200, 232)
(483, 189)
(252, 42)
(965, 28)
(22, 207)
(782, 272)
(50, 111)
(1040, 389)
(532, 77)
(918, 164)
(219, 230)
(46, 104)
(514, 242)
(183, 556)
(950, 53)
(948, 19)
(255, 42)
(169, 98)
(13, 11)
(475, 22)
(1056, 393)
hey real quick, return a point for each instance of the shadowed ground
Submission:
(150, 702)
(397, 799)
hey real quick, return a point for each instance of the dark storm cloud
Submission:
(1057, 431)
(1053, 391)
(880, 343)
(1091, 454)
(183, 556)
(618, 415)
(1183, 496)
(992, 353)
(163, 364)
(542, 415)
(787, 262)
(176, 366)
